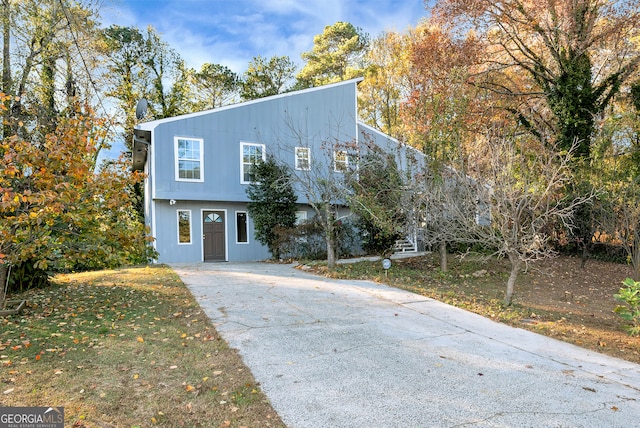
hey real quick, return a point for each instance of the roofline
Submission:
(395, 140)
(149, 126)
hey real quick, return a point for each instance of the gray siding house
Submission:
(198, 166)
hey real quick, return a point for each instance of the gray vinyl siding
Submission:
(170, 251)
(316, 118)
(409, 159)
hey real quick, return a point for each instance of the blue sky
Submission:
(232, 32)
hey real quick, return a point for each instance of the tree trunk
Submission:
(330, 237)
(6, 47)
(6, 65)
(442, 249)
(4, 272)
(516, 264)
(635, 255)
(584, 256)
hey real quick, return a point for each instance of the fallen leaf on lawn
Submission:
(140, 339)
(217, 372)
(136, 376)
(190, 388)
(57, 372)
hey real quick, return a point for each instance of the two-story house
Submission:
(198, 166)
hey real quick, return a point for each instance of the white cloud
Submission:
(233, 32)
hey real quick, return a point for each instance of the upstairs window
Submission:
(189, 164)
(250, 154)
(301, 217)
(303, 158)
(340, 161)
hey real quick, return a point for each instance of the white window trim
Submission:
(301, 216)
(242, 145)
(246, 225)
(308, 158)
(190, 227)
(177, 160)
(346, 161)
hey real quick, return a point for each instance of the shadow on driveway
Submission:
(337, 353)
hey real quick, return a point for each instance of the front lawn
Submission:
(126, 348)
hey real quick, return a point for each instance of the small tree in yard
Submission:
(322, 180)
(378, 190)
(526, 200)
(273, 204)
(522, 184)
(448, 206)
(57, 213)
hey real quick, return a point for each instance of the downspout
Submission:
(152, 190)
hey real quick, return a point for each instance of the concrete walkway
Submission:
(333, 353)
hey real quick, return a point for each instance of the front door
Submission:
(213, 235)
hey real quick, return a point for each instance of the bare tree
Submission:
(321, 180)
(511, 205)
(448, 205)
(526, 196)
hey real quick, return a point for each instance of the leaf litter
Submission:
(126, 347)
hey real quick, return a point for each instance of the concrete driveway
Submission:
(333, 353)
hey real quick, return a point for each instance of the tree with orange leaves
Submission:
(562, 62)
(441, 107)
(58, 213)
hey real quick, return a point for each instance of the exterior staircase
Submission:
(405, 246)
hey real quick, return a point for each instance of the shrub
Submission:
(630, 294)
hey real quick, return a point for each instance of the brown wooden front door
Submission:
(213, 236)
